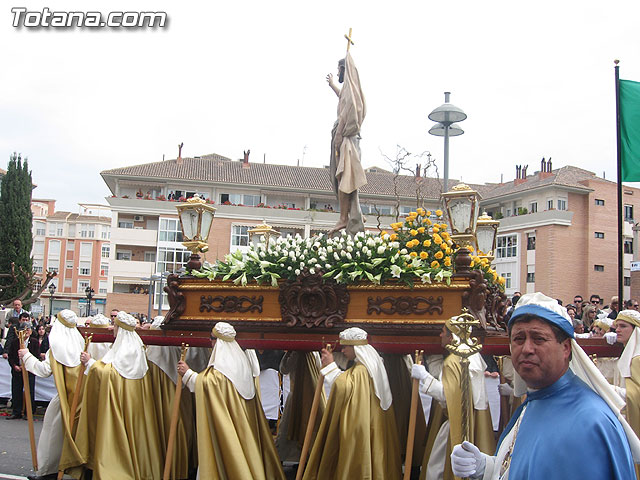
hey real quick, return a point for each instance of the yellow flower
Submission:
(447, 261)
(444, 246)
(501, 280)
(470, 248)
(393, 237)
(437, 239)
(439, 255)
(427, 221)
(443, 226)
(383, 233)
(413, 254)
(472, 264)
(445, 235)
(413, 214)
(413, 233)
(395, 228)
(435, 229)
(476, 259)
(420, 211)
(409, 244)
(421, 230)
(427, 243)
(439, 213)
(448, 251)
(428, 213)
(424, 255)
(435, 264)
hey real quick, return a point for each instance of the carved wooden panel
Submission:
(231, 303)
(405, 305)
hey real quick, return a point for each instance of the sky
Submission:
(535, 79)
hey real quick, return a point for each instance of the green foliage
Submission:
(15, 223)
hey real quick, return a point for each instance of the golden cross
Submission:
(349, 41)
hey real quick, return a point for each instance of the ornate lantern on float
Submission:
(196, 218)
(461, 205)
(486, 233)
(262, 234)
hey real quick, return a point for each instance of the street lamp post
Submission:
(89, 292)
(152, 279)
(52, 290)
(446, 115)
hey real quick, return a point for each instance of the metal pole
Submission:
(160, 299)
(51, 305)
(619, 166)
(446, 157)
(150, 298)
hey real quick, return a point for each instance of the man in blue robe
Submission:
(568, 401)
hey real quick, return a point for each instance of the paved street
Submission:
(15, 452)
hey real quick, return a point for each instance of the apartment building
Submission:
(77, 247)
(558, 232)
(145, 230)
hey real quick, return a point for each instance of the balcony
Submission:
(134, 236)
(125, 271)
(538, 219)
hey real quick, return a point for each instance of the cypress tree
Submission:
(16, 239)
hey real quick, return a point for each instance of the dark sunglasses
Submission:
(577, 301)
(635, 305)
(596, 302)
(114, 316)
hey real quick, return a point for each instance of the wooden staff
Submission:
(411, 434)
(174, 420)
(505, 410)
(76, 396)
(312, 422)
(27, 402)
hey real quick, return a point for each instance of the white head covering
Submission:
(548, 309)
(369, 357)
(65, 340)
(229, 359)
(127, 352)
(253, 361)
(632, 348)
(157, 321)
(98, 320)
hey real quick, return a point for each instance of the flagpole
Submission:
(619, 168)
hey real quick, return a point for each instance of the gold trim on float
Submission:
(232, 319)
(394, 322)
(217, 286)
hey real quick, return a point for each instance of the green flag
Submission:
(630, 130)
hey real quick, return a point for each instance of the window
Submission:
(125, 224)
(533, 207)
(69, 264)
(56, 229)
(37, 265)
(507, 279)
(169, 230)
(149, 256)
(82, 285)
(549, 204)
(85, 268)
(105, 234)
(508, 212)
(53, 267)
(172, 259)
(67, 283)
(103, 287)
(250, 200)
(531, 241)
(72, 229)
(37, 285)
(123, 255)
(54, 248)
(87, 230)
(86, 249)
(562, 204)
(599, 234)
(368, 209)
(531, 277)
(599, 202)
(71, 246)
(628, 213)
(104, 269)
(628, 246)
(41, 228)
(598, 268)
(105, 251)
(239, 236)
(404, 210)
(627, 281)
(38, 248)
(507, 246)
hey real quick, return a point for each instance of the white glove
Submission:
(621, 391)
(505, 389)
(467, 460)
(419, 372)
(611, 337)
